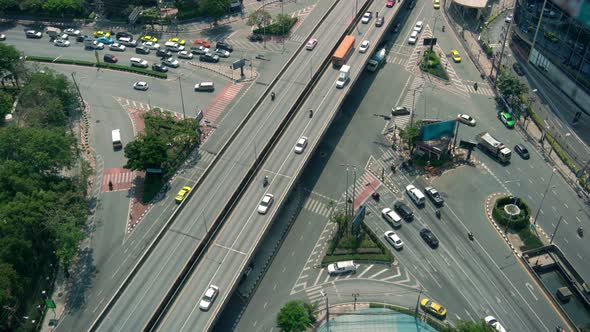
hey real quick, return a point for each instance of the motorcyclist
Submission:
(437, 212)
(470, 235)
(272, 95)
(310, 113)
(265, 181)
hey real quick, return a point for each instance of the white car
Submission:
(394, 239)
(466, 119)
(266, 203)
(413, 38)
(141, 85)
(171, 62)
(508, 19)
(61, 43)
(72, 32)
(493, 322)
(364, 46)
(117, 47)
(418, 26)
(64, 36)
(311, 44)
(222, 53)
(208, 298)
(391, 217)
(152, 45)
(367, 17)
(301, 144)
(2, 36)
(185, 55)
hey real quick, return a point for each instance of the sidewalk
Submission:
(528, 128)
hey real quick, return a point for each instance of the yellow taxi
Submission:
(436, 4)
(177, 40)
(100, 33)
(455, 55)
(147, 38)
(433, 308)
(182, 194)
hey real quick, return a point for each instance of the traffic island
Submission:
(431, 64)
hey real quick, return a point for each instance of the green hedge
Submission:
(431, 64)
(438, 325)
(530, 239)
(358, 258)
(100, 65)
(276, 29)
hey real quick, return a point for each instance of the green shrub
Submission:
(530, 239)
(561, 154)
(431, 64)
(277, 29)
(358, 258)
(100, 65)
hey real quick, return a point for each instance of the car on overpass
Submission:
(208, 298)
(300, 145)
(311, 44)
(367, 17)
(265, 203)
(389, 3)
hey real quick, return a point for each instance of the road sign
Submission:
(238, 64)
(50, 304)
(358, 220)
(429, 41)
(199, 115)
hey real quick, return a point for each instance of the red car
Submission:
(203, 43)
(390, 3)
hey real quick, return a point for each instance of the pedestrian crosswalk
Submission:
(409, 101)
(133, 104)
(317, 207)
(396, 59)
(297, 38)
(481, 89)
(361, 189)
(218, 105)
(301, 14)
(119, 178)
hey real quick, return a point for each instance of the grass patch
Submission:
(345, 246)
(431, 64)
(281, 27)
(152, 186)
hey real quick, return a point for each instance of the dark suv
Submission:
(224, 46)
(209, 58)
(163, 53)
(121, 34)
(404, 211)
(159, 67)
(142, 50)
(429, 237)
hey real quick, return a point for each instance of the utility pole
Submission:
(433, 29)
(543, 199)
(555, 230)
(327, 311)
(264, 26)
(181, 98)
(355, 295)
(78, 89)
(353, 192)
(418, 303)
(502, 51)
(283, 26)
(346, 191)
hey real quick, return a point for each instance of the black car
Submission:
(429, 237)
(124, 34)
(159, 67)
(518, 69)
(142, 50)
(110, 58)
(224, 46)
(209, 58)
(255, 38)
(163, 53)
(81, 38)
(379, 21)
(522, 151)
(403, 210)
(434, 196)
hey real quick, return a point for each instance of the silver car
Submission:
(222, 53)
(208, 298)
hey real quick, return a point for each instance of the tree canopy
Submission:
(259, 18)
(43, 208)
(510, 86)
(296, 316)
(215, 8)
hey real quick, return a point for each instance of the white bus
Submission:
(116, 136)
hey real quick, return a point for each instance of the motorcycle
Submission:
(393, 168)
(310, 114)
(443, 28)
(265, 181)
(437, 214)
(470, 235)
(272, 96)
(580, 231)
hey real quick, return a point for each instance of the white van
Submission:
(116, 137)
(204, 86)
(128, 41)
(416, 195)
(342, 267)
(174, 47)
(137, 62)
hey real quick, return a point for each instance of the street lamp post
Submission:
(181, 97)
(543, 199)
(555, 230)
(327, 311)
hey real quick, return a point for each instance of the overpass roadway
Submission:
(232, 249)
(138, 297)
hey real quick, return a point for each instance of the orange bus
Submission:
(343, 51)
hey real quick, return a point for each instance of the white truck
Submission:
(376, 60)
(495, 148)
(343, 76)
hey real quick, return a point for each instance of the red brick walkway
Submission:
(121, 178)
(366, 185)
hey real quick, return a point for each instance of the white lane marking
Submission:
(530, 287)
